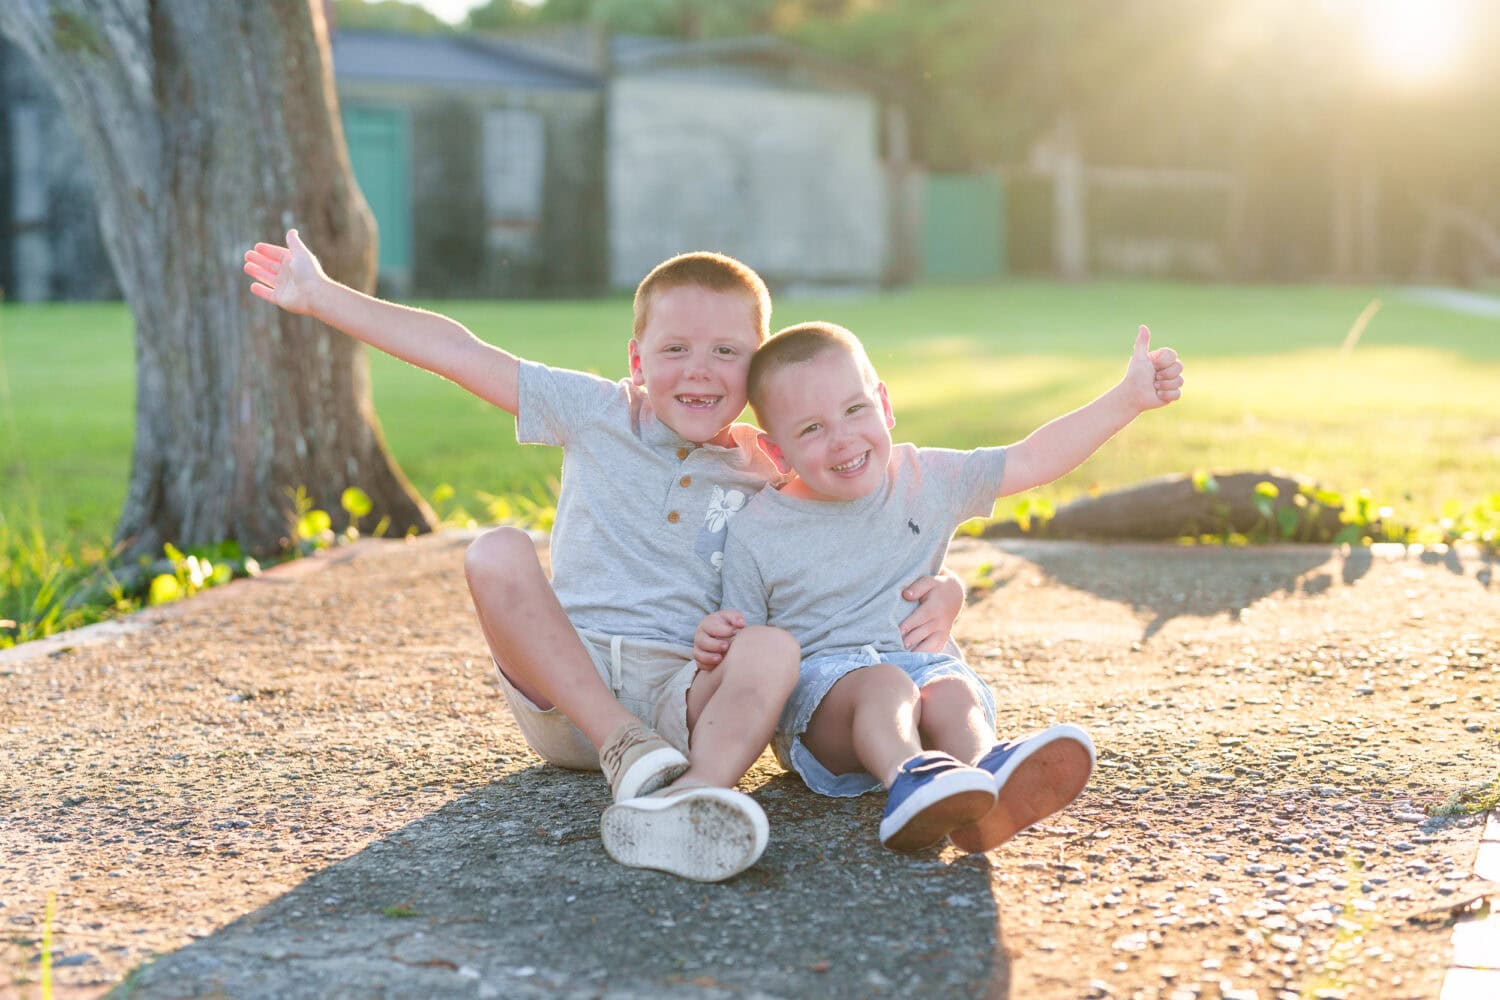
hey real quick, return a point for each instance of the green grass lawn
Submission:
(1413, 414)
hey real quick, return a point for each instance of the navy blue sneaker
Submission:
(1034, 777)
(932, 794)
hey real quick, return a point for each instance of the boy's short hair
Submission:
(796, 345)
(716, 272)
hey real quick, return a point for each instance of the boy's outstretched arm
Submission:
(1153, 379)
(291, 277)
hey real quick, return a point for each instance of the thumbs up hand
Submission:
(1153, 378)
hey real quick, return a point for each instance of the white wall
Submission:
(790, 181)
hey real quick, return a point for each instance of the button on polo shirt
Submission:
(673, 517)
(620, 565)
(685, 481)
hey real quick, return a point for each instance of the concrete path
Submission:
(1454, 300)
(307, 786)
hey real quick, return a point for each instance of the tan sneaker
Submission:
(637, 761)
(701, 833)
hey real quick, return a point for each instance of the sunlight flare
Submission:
(1413, 41)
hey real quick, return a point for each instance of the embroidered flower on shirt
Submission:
(721, 506)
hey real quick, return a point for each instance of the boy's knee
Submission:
(495, 555)
(772, 653)
(890, 680)
(949, 696)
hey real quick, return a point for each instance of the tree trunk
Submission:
(207, 127)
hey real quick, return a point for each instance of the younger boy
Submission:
(816, 557)
(599, 674)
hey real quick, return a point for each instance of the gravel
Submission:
(308, 785)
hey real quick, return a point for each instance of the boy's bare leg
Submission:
(699, 827)
(531, 638)
(953, 721)
(732, 709)
(868, 721)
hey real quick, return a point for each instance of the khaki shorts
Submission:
(650, 678)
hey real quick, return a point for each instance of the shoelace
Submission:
(611, 756)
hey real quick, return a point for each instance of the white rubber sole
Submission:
(654, 771)
(1039, 779)
(1062, 731)
(703, 834)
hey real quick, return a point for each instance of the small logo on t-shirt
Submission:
(913, 526)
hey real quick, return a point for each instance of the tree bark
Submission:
(207, 127)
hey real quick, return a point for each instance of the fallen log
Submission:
(1178, 506)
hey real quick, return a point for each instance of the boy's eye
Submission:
(808, 430)
(855, 408)
(726, 351)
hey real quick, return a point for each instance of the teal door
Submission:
(380, 153)
(963, 229)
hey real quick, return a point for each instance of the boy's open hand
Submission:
(939, 600)
(1154, 378)
(285, 276)
(715, 632)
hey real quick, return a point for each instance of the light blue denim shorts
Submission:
(820, 673)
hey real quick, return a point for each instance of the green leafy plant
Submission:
(1349, 930)
(1205, 484)
(36, 578)
(535, 510)
(312, 527)
(1475, 801)
(190, 573)
(1361, 519)
(46, 963)
(981, 583)
(357, 504)
(1033, 513)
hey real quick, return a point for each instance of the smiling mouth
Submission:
(699, 402)
(853, 465)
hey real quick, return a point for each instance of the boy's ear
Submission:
(637, 376)
(773, 453)
(885, 404)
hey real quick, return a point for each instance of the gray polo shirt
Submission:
(831, 573)
(641, 520)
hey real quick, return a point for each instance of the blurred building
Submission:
(480, 160)
(755, 147)
(556, 165)
(50, 246)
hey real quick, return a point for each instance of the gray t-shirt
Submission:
(639, 534)
(831, 573)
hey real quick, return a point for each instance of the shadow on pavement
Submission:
(506, 892)
(1192, 580)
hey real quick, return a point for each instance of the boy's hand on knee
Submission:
(713, 636)
(939, 600)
